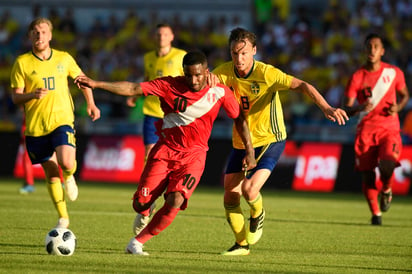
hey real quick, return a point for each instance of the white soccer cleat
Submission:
(141, 221)
(63, 223)
(71, 188)
(135, 248)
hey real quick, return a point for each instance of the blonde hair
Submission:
(38, 21)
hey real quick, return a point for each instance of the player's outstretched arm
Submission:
(121, 88)
(334, 114)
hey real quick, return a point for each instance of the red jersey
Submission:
(188, 115)
(380, 87)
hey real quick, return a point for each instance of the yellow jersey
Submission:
(159, 66)
(56, 108)
(258, 96)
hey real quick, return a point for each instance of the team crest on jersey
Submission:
(60, 68)
(145, 191)
(254, 87)
(211, 98)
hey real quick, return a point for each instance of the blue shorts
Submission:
(149, 130)
(41, 148)
(268, 160)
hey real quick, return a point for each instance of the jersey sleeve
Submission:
(278, 79)
(17, 75)
(400, 79)
(351, 87)
(73, 68)
(230, 104)
(156, 87)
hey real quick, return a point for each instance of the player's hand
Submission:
(367, 106)
(248, 162)
(84, 82)
(40, 93)
(131, 101)
(93, 112)
(393, 109)
(337, 115)
(212, 80)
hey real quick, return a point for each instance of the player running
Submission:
(176, 162)
(376, 87)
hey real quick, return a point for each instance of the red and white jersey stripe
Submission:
(188, 115)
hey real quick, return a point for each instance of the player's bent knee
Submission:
(175, 199)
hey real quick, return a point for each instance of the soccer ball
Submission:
(61, 242)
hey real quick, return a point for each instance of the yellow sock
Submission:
(256, 206)
(68, 173)
(56, 193)
(236, 221)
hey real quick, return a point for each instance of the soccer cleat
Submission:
(386, 199)
(71, 188)
(255, 228)
(63, 223)
(26, 189)
(135, 248)
(237, 250)
(376, 220)
(141, 221)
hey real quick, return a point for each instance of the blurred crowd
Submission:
(323, 48)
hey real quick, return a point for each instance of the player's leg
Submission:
(55, 189)
(149, 139)
(28, 186)
(153, 182)
(389, 153)
(268, 156)
(64, 143)
(41, 152)
(371, 193)
(233, 180)
(366, 153)
(180, 184)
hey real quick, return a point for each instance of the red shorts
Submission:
(168, 170)
(372, 146)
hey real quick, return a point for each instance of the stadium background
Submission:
(319, 41)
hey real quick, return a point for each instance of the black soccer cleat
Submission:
(386, 199)
(376, 220)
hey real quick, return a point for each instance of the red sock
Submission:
(28, 169)
(162, 219)
(371, 195)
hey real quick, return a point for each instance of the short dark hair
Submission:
(164, 25)
(373, 36)
(194, 58)
(240, 34)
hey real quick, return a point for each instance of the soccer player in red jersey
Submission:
(176, 162)
(376, 87)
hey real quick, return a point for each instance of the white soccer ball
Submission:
(61, 242)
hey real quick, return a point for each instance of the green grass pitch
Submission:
(303, 233)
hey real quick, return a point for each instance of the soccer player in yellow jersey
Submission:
(39, 83)
(256, 85)
(165, 60)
